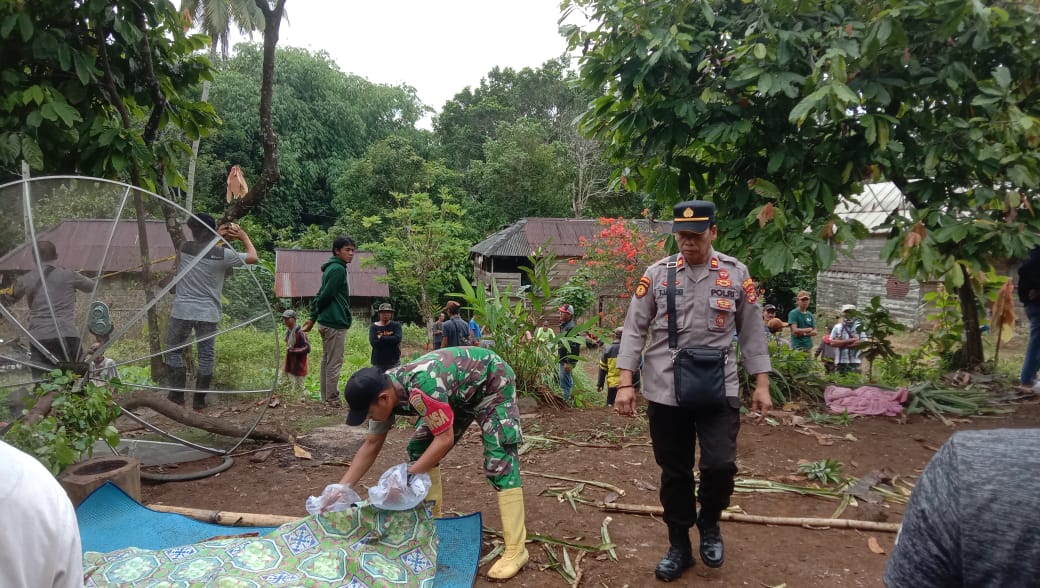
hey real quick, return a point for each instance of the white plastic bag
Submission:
(397, 490)
(334, 498)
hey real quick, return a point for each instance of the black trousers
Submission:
(69, 354)
(674, 432)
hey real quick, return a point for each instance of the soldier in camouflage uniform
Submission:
(714, 298)
(448, 389)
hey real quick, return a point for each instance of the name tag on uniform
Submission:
(664, 291)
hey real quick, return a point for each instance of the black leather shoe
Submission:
(674, 564)
(713, 553)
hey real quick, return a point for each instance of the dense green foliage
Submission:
(81, 413)
(778, 110)
(324, 119)
(91, 90)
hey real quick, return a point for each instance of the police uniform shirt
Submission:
(712, 302)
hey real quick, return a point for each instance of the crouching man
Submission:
(448, 389)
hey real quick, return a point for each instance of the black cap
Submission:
(769, 307)
(361, 391)
(693, 215)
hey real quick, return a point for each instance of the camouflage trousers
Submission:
(499, 420)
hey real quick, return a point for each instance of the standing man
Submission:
(438, 330)
(475, 336)
(803, 324)
(384, 336)
(713, 296)
(331, 310)
(197, 307)
(297, 348)
(51, 296)
(845, 338)
(448, 389)
(568, 352)
(455, 331)
(1029, 296)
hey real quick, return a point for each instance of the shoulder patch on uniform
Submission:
(750, 293)
(714, 263)
(642, 287)
(436, 414)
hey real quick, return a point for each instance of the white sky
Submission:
(438, 48)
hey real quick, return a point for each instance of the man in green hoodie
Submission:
(331, 310)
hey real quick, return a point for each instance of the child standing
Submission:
(297, 347)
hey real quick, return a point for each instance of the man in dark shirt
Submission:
(455, 330)
(385, 338)
(568, 352)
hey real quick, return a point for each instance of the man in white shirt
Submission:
(39, 540)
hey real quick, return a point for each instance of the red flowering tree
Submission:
(614, 260)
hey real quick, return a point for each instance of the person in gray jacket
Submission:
(197, 306)
(714, 297)
(51, 296)
(972, 518)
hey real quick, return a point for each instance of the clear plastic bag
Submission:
(335, 498)
(397, 490)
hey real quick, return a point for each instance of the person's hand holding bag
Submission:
(399, 490)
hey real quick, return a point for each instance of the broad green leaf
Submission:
(845, 94)
(25, 26)
(708, 12)
(68, 114)
(882, 134)
(31, 153)
(764, 188)
(1002, 76)
(759, 51)
(802, 109)
(8, 25)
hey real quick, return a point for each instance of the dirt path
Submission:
(757, 555)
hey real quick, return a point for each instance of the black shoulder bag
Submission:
(700, 372)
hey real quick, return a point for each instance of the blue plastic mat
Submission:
(111, 520)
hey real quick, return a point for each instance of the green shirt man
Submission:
(803, 324)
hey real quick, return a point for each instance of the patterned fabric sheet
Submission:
(363, 547)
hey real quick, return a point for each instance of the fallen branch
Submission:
(604, 485)
(764, 520)
(231, 519)
(148, 399)
(577, 570)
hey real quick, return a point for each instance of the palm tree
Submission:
(214, 18)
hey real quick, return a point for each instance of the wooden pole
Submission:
(231, 519)
(764, 520)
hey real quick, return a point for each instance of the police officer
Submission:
(714, 296)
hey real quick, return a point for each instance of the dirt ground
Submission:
(619, 454)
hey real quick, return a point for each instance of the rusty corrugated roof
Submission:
(297, 274)
(81, 246)
(561, 235)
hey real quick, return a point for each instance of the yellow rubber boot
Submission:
(436, 493)
(514, 535)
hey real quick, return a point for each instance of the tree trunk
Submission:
(269, 173)
(972, 355)
(193, 162)
(148, 399)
